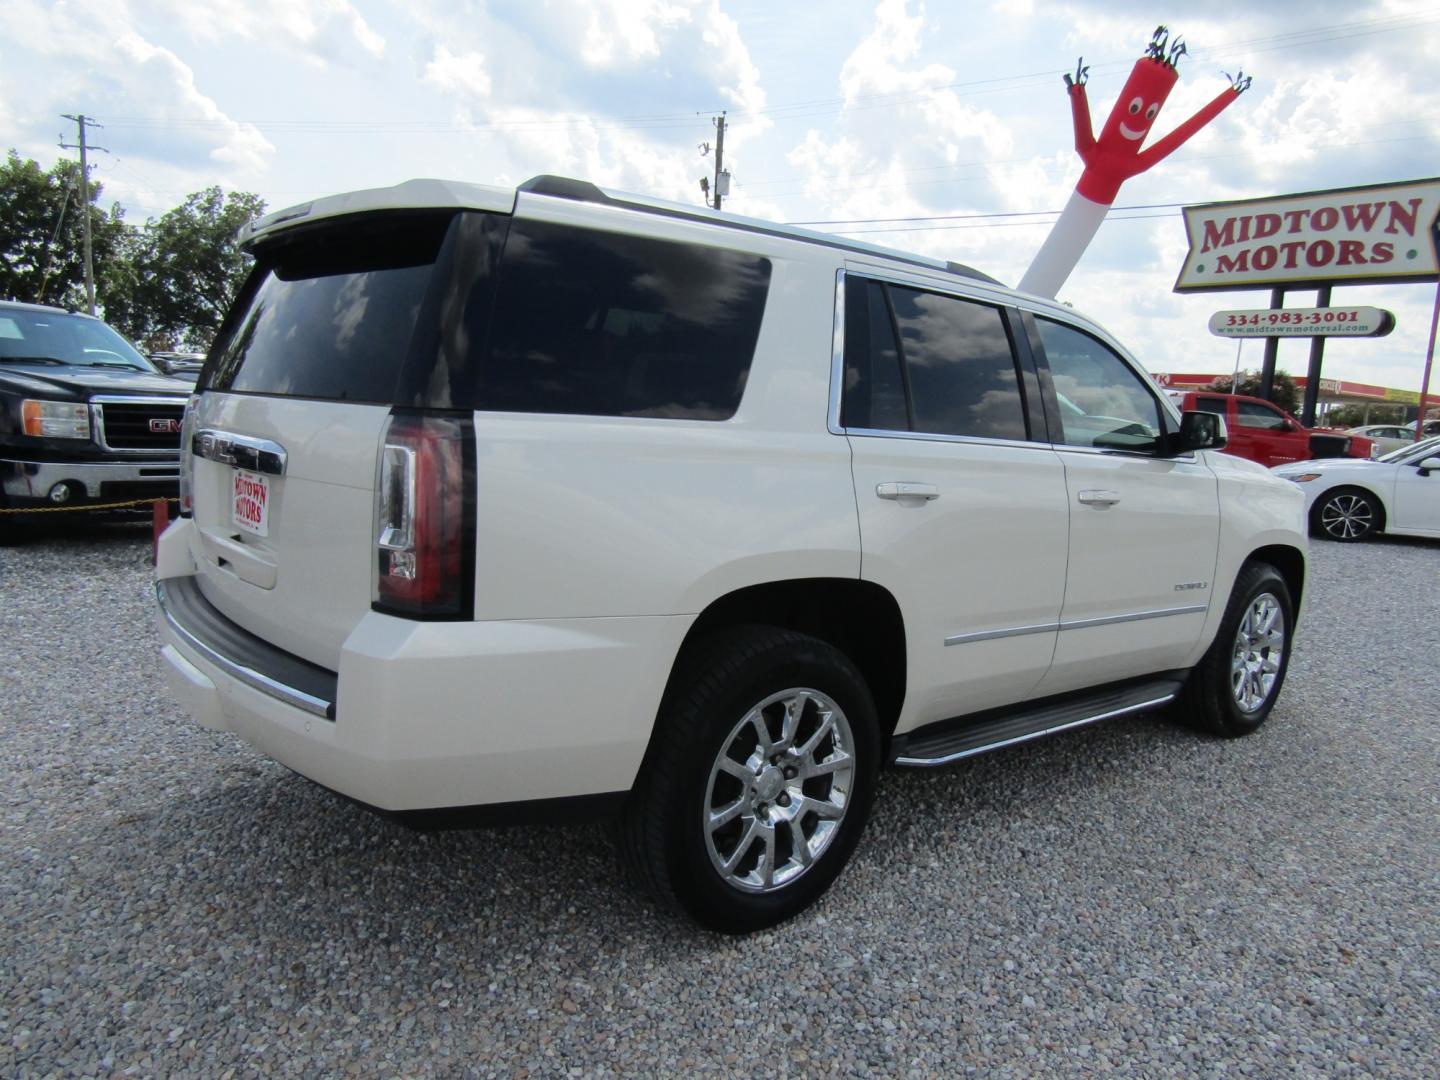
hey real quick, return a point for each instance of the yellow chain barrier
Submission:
(87, 506)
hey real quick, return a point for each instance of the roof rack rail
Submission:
(563, 187)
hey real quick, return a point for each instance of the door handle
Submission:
(1098, 497)
(906, 490)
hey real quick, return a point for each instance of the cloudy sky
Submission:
(845, 112)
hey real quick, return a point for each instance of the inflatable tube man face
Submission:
(1136, 108)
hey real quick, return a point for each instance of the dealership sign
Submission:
(1352, 236)
(1303, 322)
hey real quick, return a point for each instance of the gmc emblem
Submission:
(165, 427)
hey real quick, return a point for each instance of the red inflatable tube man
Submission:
(1117, 154)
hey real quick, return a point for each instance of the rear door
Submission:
(1144, 530)
(293, 401)
(962, 502)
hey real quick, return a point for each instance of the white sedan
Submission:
(1350, 499)
(1386, 436)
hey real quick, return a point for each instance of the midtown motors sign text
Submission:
(1353, 236)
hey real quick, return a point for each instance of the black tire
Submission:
(1346, 515)
(10, 525)
(1210, 699)
(663, 835)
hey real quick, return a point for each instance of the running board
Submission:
(952, 740)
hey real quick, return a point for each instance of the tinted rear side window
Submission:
(1211, 405)
(331, 313)
(604, 324)
(960, 364)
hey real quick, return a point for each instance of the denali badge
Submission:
(162, 427)
(1186, 586)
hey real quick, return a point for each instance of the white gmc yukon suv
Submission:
(560, 501)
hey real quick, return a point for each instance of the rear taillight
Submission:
(424, 505)
(187, 456)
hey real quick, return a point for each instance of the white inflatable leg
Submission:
(1068, 239)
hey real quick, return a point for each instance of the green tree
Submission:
(185, 269)
(1284, 393)
(41, 233)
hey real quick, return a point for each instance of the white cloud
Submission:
(558, 87)
(461, 74)
(905, 142)
(239, 145)
(322, 30)
(98, 56)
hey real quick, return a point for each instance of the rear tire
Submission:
(1234, 687)
(758, 780)
(1346, 515)
(9, 524)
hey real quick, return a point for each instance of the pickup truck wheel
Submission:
(1234, 687)
(9, 527)
(1347, 515)
(758, 781)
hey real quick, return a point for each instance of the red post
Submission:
(1429, 360)
(159, 518)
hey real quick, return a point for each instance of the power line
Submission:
(975, 217)
(994, 225)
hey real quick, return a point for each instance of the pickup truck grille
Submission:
(144, 424)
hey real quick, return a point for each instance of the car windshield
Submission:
(1415, 450)
(60, 337)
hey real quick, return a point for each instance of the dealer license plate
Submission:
(250, 509)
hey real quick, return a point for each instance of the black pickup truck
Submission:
(85, 419)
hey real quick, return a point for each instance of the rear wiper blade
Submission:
(34, 360)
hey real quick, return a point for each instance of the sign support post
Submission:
(1429, 360)
(1272, 350)
(1317, 356)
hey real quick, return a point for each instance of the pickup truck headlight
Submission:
(56, 419)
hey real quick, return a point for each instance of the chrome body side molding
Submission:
(1074, 624)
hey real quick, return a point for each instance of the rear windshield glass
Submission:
(331, 314)
(605, 324)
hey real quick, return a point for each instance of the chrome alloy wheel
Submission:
(778, 790)
(1259, 650)
(1347, 517)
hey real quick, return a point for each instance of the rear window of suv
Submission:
(331, 313)
(604, 324)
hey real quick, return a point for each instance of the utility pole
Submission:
(84, 122)
(722, 178)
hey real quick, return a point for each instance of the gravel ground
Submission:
(1133, 898)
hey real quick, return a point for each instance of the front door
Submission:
(1416, 503)
(1144, 530)
(1266, 428)
(963, 513)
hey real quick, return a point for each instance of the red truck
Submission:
(1266, 433)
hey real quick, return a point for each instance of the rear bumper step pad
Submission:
(241, 654)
